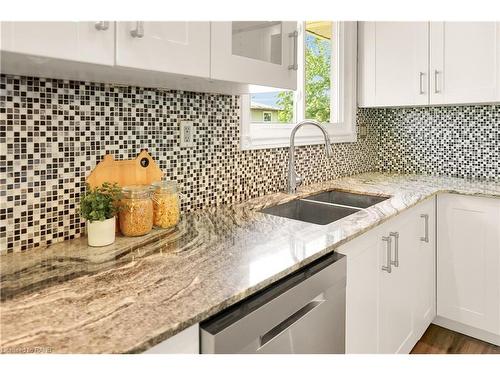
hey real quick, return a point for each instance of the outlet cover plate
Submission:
(187, 134)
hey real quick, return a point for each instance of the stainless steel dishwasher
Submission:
(302, 313)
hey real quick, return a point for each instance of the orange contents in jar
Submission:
(166, 204)
(136, 211)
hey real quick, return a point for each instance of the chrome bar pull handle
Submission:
(102, 25)
(426, 219)
(436, 87)
(388, 267)
(288, 322)
(138, 32)
(295, 36)
(421, 82)
(395, 263)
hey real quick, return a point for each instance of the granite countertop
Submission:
(133, 294)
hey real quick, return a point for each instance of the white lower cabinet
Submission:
(185, 342)
(468, 277)
(396, 319)
(390, 283)
(424, 262)
(362, 293)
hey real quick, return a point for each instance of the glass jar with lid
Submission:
(166, 204)
(136, 211)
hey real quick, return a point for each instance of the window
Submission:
(267, 116)
(318, 70)
(326, 91)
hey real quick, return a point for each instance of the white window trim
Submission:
(260, 136)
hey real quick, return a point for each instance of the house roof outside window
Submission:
(265, 107)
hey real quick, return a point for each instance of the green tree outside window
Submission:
(317, 83)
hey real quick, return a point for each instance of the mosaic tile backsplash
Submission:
(53, 132)
(456, 141)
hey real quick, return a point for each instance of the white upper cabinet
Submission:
(464, 64)
(170, 47)
(91, 42)
(393, 63)
(222, 57)
(428, 63)
(255, 52)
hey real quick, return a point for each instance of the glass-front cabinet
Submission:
(255, 52)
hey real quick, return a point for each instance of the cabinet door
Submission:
(424, 259)
(362, 293)
(464, 64)
(91, 42)
(393, 63)
(255, 52)
(171, 47)
(387, 312)
(468, 265)
(396, 323)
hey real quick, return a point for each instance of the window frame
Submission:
(343, 129)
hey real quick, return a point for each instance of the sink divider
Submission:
(330, 204)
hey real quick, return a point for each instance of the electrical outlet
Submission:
(187, 134)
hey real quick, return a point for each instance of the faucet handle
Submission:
(298, 180)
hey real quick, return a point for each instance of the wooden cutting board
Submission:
(142, 170)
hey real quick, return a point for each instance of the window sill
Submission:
(262, 136)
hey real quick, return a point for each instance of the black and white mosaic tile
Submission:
(53, 132)
(455, 141)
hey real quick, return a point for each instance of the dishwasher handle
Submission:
(288, 322)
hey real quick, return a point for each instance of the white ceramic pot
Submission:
(101, 233)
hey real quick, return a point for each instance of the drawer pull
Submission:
(436, 86)
(421, 76)
(395, 263)
(138, 32)
(388, 267)
(102, 25)
(285, 324)
(295, 36)
(426, 236)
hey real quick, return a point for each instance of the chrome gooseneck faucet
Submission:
(294, 180)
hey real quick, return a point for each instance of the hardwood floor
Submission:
(438, 340)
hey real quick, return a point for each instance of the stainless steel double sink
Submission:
(324, 208)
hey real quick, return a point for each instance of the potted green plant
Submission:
(99, 207)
